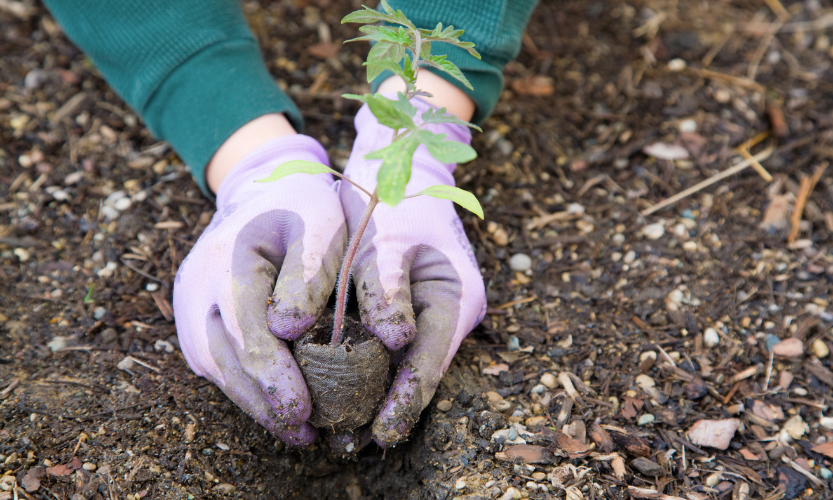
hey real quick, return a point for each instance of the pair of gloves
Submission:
(263, 270)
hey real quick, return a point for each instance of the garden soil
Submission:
(624, 353)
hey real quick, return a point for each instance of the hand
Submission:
(417, 281)
(262, 271)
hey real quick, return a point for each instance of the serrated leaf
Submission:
(434, 115)
(408, 73)
(355, 97)
(386, 51)
(371, 16)
(457, 195)
(386, 7)
(448, 35)
(395, 171)
(425, 50)
(388, 112)
(384, 34)
(444, 150)
(375, 68)
(297, 167)
(448, 67)
(404, 105)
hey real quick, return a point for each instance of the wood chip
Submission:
(169, 224)
(807, 186)
(713, 433)
(530, 454)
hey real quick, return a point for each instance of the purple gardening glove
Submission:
(417, 281)
(262, 271)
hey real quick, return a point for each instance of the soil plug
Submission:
(347, 376)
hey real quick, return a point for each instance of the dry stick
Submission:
(807, 185)
(762, 48)
(732, 80)
(708, 182)
(755, 164)
(344, 273)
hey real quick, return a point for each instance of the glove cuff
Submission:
(264, 159)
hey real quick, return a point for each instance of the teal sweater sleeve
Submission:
(495, 27)
(191, 68)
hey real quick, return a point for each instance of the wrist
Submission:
(242, 142)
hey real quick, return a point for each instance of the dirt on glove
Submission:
(347, 382)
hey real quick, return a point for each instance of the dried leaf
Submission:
(31, 481)
(324, 50)
(495, 369)
(64, 469)
(748, 454)
(713, 433)
(767, 411)
(573, 447)
(825, 449)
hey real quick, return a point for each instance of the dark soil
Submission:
(652, 323)
(348, 381)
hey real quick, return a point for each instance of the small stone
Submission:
(645, 356)
(57, 344)
(444, 405)
(713, 479)
(826, 422)
(538, 389)
(711, 338)
(722, 96)
(222, 446)
(520, 262)
(549, 380)
(690, 246)
(73, 178)
(771, 341)
(505, 147)
(514, 344)
(533, 421)
(152, 287)
(820, 349)
(688, 125)
(493, 397)
(225, 488)
(646, 419)
(629, 257)
(503, 406)
(539, 476)
(163, 345)
(99, 313)
(825, 473)
(789, 348)
(122, 204)
(460, 484)
(500, 237)
(512, 434)
(676, 65)
(647, 467)
(22, 254)
(511, 494)
(89, 466)
(653, 231)
(785, 379)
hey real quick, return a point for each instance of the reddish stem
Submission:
(344, 273)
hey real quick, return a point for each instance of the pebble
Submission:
(493, 397)
(57, 344)
(73, 178)
(60, 195)
(538, 389)
(107, 270)
(676, 64)
(713, 479)
(690, 246)
(711, 337)
(89, 466)
(22, 254)
(163, 345)
(511, 494)
(645, 356)
(460, 484)
(771, 341)
(533, 421)
(646, 419)
(500, 237)
(539, 476)
(688, 125)
(122, 204)
(549, 380)
(99, 313)
(647, 467)
(503, 406)
(789, 348)
(825, 473)
(722, 96)
(109, 212)
(520, 262)
(826, 422)
(514, 344)
(505, 147)
(152, 287)
(222, 446)
(653, 231)
(795, 427)
(820, 349)
(444, 405)
(629, 257)
(225, 488)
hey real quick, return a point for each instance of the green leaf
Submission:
(404, 105)
(386, 51)
(434, 115)
(355, 97)
(371, 16)
(89, 298)
(457, 195)
(374, 68)
(386, 7)
(408, 73)
(395, 171)
(389, 113)
(448, 67)
(448, 35)
(297, 167)
(425, 50)
(444, 150)
(384, 34)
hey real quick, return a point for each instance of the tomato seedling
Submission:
(403, 49)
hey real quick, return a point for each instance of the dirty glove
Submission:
(262, 271)
(417, 281)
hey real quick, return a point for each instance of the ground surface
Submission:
(602, 309)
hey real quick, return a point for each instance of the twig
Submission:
(763, 155)
(637, 492)
(732, 80)
(769, 369)
(803, 471)
(755, 164)
(762, 48)
(807, 185)
(516, 302)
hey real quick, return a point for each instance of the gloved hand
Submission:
(230, 311)
(417, 281)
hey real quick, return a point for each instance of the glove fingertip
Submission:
(299, 437)
(288, 324)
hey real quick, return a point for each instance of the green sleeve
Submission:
(494, 26)
(191, 68)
